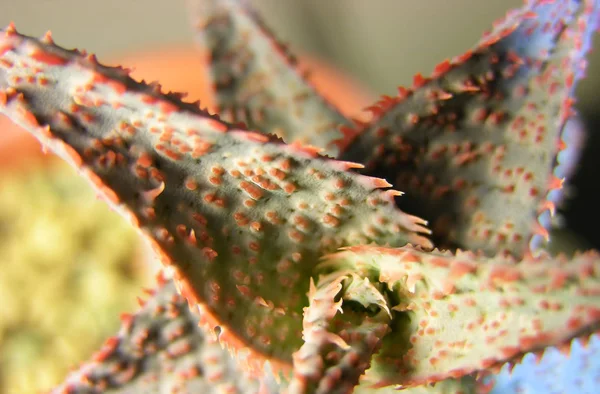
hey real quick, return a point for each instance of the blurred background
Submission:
(380, 43)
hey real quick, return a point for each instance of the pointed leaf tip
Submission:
(465, 144)
(257, 81)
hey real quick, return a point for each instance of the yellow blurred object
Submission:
(69, 267)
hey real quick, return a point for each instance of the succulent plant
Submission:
(302, 265)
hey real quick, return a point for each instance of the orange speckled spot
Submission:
(256, 226)
(148, 99)
(5, 48)
(191, 184)
(505, 274)
(73, 154)
(215, 180)
(461, 268)
(6, 63)
(47, 58)
(145, 160)
(216, 125)
(107, 349)
(251, 189)
(28, 117)
(173, 155)
(167, 107)
(209, 253)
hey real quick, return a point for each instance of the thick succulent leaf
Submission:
(241, 217)
(342, 328)
(474, 145)
(344, 324)
(574, 368)
(161, 349)
(457, 314)
(256, 80)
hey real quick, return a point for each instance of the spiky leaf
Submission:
(457, 314)
(257, 81)
(242, 217)
(474, 145)
(342, 328)
(161, 349)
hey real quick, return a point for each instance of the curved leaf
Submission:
(256, 80)
(230, 210)
(475, 144)
(458, 314)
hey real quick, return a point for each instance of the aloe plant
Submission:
(311, 273)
